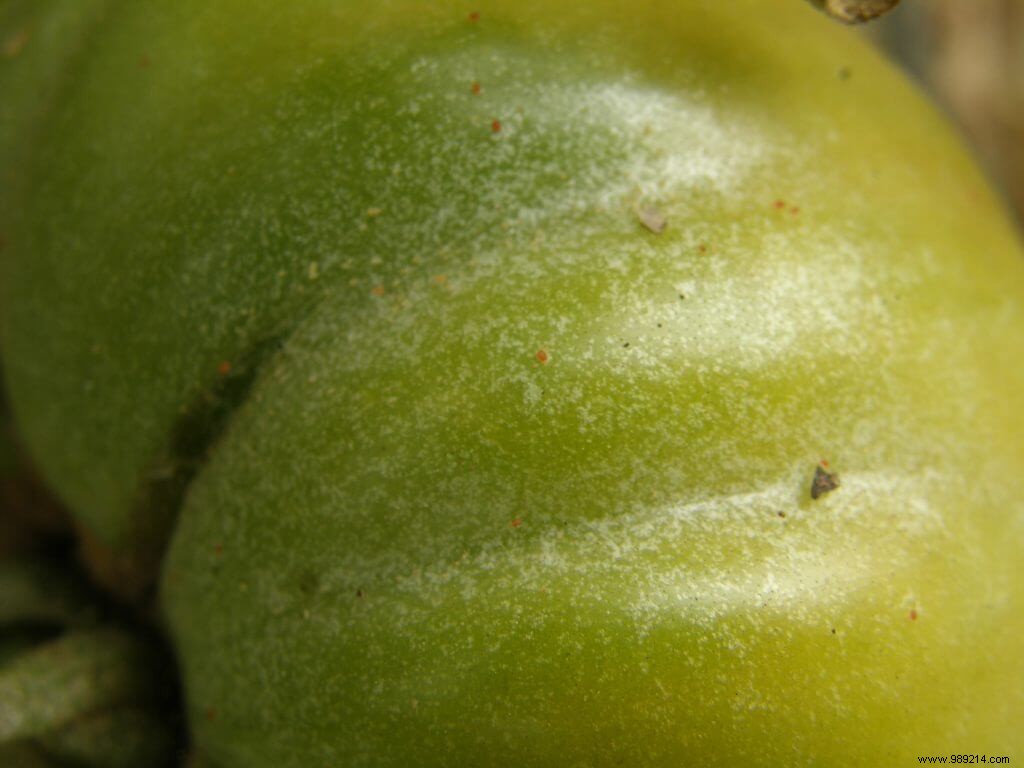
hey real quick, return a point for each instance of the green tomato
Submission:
(484, 358)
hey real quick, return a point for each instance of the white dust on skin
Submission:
(769, 312)
(666, 563)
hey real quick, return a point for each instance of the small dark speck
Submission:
(626, 345)
(309, 583)
(833, 630)
(823, 482)
(781, 513)
(659, 325)
(845, 73)
(359, 593)
(681, 296)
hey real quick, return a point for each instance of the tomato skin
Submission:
(474, 465)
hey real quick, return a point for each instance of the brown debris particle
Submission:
(913, 614)
(516, 523)
(781, 513)
(794, 209)
(377, 290)
(211, 714)
(495, 126)
(652, 218)
(542, 356)
(440, 279)
(823, 482)
(224, 367)
(14, 44)
(855, 11)
(779, 204)
(359, 593)
(218, 549)
(474, 16)
(475, 88)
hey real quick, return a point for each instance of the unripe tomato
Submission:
(528, 383)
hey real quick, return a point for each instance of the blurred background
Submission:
(970, 55)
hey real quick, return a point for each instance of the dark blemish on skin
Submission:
(833, 630)
(823, 482)
(495, 126)
(309, 583)
(913, 615)
(542, 356)
(475, 88)
(474, 16)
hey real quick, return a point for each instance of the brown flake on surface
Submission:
(823, 482)
(14, 44)
(855, 11)
(652, 219)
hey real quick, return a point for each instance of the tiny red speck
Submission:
(224, 368)
(780, 204)
(516, 523)
(475, 88)
(218, 549)
(474, 16)
(795, 210)
(211, 714)
(495, 126)
(824, 463)
(542, 356)
(913, 615)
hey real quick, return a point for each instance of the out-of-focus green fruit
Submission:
(491, 352)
